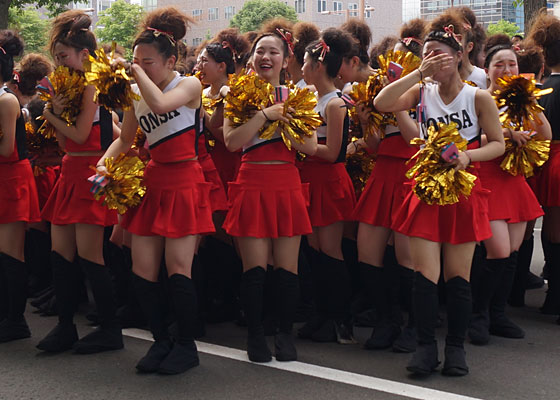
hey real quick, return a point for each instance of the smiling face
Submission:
(269, 59)
(210, 70)
(154, 64)
(436, 48)
(69, 56)
(503, 63)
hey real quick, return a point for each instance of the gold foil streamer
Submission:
(139, 139)
(519, 95)
(364, 93)
(525, 159)
(125, 188)
(435, 181)
(408, 61)
(70, 84)
(112, 83)
(38, 145)
(359, 166)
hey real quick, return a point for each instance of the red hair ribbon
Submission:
(407, 40)
(288, 38)
(15, 76)
(516, 48)
(324, 50)
(156, 32)
(226, 45)
(450, 32)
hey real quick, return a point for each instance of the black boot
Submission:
(252, 298)
(286, 293)
(551, 304)
(37, 257)
(318, 317)
(406, 342)
(425, 298)
(108, 336)
(484, 289)
(66, 278)
(500, 324)
(378, 284)
(14, 326)
(517, 295)
(184, 354)
(336, 299)
(149, 297)
(269, 305)
(459, 307)
(4, 297)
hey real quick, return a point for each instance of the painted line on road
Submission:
(330, 374)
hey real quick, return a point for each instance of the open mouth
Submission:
(265, 66)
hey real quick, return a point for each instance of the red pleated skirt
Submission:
(18, 193)
(218, 199)
(227, 163)
(71, 201)
(462, 222)
(267, 201)
(548, 180)
(384, 193)
(176, 203)
(45, 182)
(331, 194)
(511, 199)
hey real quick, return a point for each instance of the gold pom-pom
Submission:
(69, 84)
(112, 83)
(525, 159)
(125, 187)
(247, 94)
(408, 61)
(364, 93)
(139, 139)
(359, 166)
(38, 145)
(518, 96)
(435, 181)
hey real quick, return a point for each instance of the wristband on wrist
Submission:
(268, 119)
(421, 75)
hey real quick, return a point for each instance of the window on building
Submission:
(229, 12)
(196, 41)
(299, 6)
(353, 8)
(149, 5)
(197, 15)
(213, 14)
(337, 5)
(321, 5)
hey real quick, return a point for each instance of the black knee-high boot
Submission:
(149, 297)
(379, 284)
(269, 305)
(318, 288)
(406, 342)
(252, 298)
(459, 307)
(552, 301)
(4, 297)
(108, 336)
(425, 298)
(66, 280)
(14, 326)
(184, 354)
(286, 294)
(500, 324)
(517, 295)
(484, 289)
(37, 257)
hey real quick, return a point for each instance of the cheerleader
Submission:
(468, 71)
(304, 33)
(268, 211)
(176, 208)
(355, 64)
(511, 204)
(451, 230)
(545, 32)
(379, 203)
(332, 196)
(77, 219)
(18, 198)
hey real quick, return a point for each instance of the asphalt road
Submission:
(505, 369)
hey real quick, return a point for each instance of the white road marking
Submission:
(331, 374)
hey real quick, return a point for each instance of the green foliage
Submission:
(255, 12)
(31, 27)
(120, 23)
(503, 26)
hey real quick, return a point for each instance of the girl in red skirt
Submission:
(77, 219)
(268, 210)
(378, 205)
(451, 230)
(331, 193)
(545, 32)
(511, 204)
(176, 208)
(18, 198)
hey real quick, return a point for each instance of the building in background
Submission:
(410, 9)
(93, 7)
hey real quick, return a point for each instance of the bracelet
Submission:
(467, 154)
(268, 119)
(421, 75)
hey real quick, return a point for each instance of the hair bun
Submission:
(11, 42)
(168, 19)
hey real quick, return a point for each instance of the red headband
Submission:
(227, 45)
(324, 50)
(156, 32)
(15, 76)
(407, 40)
(288, 38)
(450, 32)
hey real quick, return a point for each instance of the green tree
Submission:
(503, 26)
(255, 12)
(54, 6)
(120, 23)
(31, 27)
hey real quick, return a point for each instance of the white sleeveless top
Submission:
(461, 110)
(478, 77)
(321, 107)
(159, 127)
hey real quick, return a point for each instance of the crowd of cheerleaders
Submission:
(219, 228)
